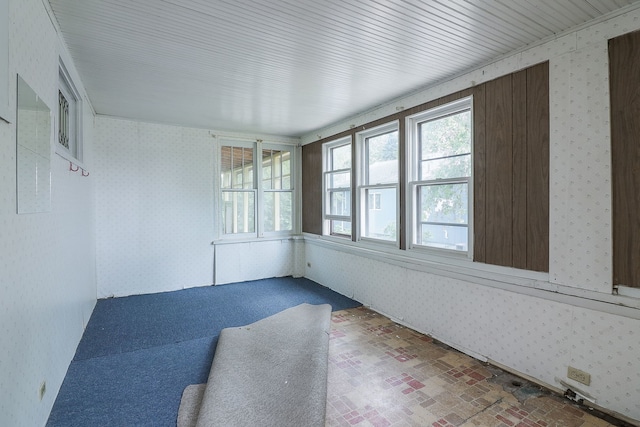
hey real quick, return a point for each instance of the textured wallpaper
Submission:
(47, 260)
(154, 207)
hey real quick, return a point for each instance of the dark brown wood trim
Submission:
(479, 175)
(624, 84)
(312, 188)
(537, 183)
(519, 84)
(499, 193)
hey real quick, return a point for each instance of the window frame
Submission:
(363, 186)
(415, 181)
(257, 189)
(261, 191)
(66, 87)
(327, 171)
(232, 189)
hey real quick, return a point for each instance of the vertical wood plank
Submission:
(479, 174)
(519, 90)
(624, 84)
(499, 172)
(312, 188)
(538, 167)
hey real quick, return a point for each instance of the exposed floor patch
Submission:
(383, 374)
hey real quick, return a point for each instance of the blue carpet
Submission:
(138, 353)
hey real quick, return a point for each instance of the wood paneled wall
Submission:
(312, 188)
(511, 169)
(624, 82)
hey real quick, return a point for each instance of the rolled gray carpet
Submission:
(190, 405)
(269, 373)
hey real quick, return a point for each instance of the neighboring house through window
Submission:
(378, 183)
(441, 169)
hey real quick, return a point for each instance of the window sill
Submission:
(509, 279)
(253, 239)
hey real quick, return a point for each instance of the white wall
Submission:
(239, 262)
(47, 260)
(155, 218)
(539, 326)
(154, 207)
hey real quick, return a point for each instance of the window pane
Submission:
(286, 170)
(276, 170)
(238, 212)
(225, 167)
(445, 236)
(339, 180)
(446, 203)
(340, 203)
(236, 167)
(445, 147)
(381, 222)
(341, 157)
(446, 136)
(444, 216)
(382, 158)
(247, 175)
(340, 227)
(448, 167)
(278, 209)
(286, 164)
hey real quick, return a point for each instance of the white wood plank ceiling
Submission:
(289, 67)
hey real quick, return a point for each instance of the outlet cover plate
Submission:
(578, 375)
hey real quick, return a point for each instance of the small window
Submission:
(337, 188)
(277, 190)
(238, 191)
(378, 183)
(442, 169)
(69, 121)
(257, 194)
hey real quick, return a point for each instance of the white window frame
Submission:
(415, 181)
(326, 190)
(74, 132)
(363, 184)
(261, 191)
(257, 189)
(253, 189)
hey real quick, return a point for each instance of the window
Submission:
(238, 190)
(440, 176)
(69, 118)
(378, 183)
(253, 207)
(277, 190)
(337, 187)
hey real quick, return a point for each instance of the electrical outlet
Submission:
(578, 375)
(42, 390)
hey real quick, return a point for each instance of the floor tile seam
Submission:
(497, 402)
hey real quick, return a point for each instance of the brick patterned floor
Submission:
(382, 374)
